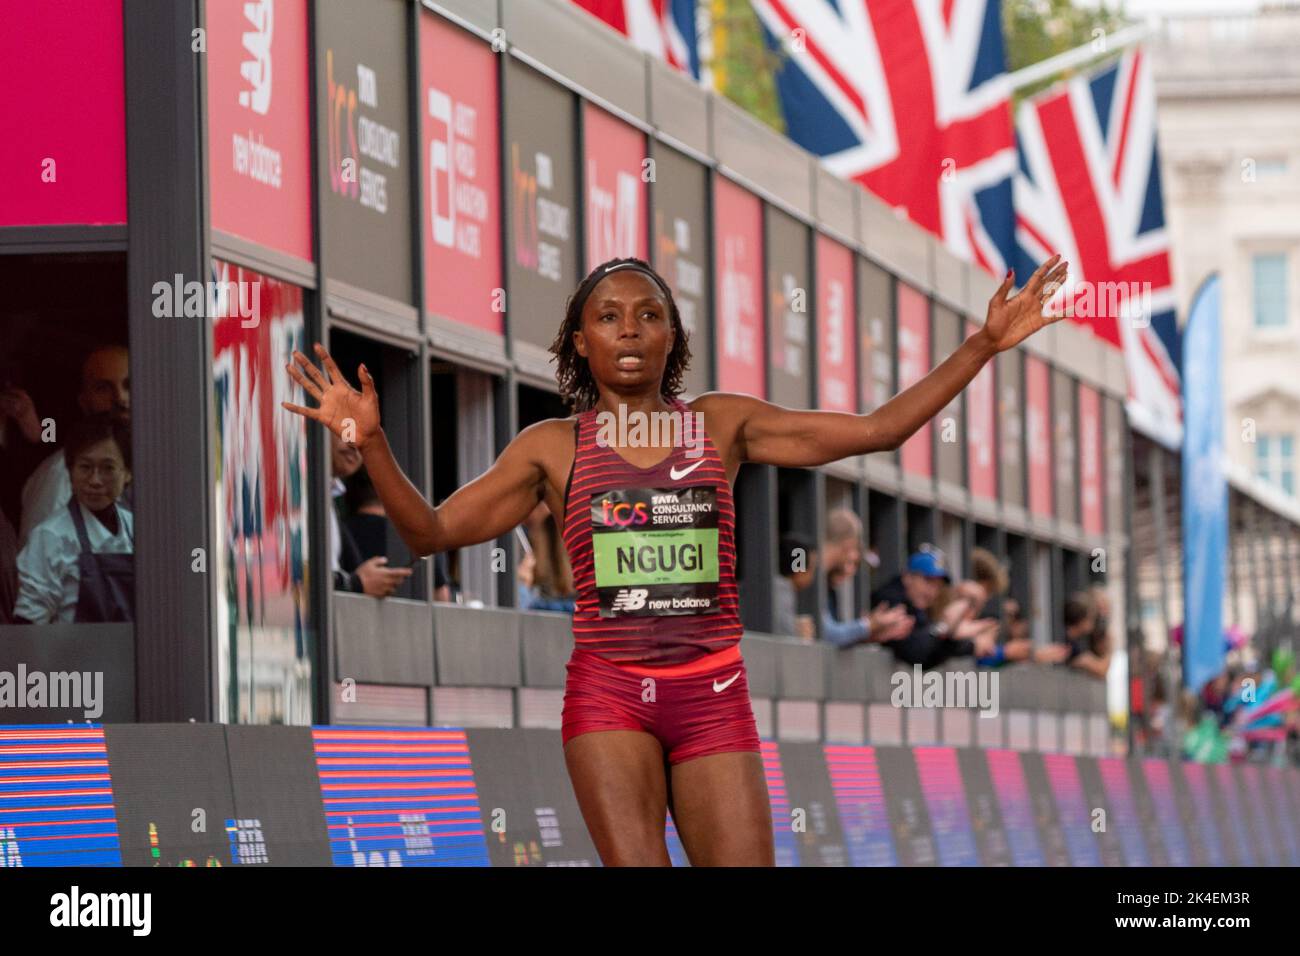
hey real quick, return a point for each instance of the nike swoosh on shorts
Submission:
(719, 688)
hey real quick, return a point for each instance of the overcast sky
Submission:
(1139, 8)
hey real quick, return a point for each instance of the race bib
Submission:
(655, 551)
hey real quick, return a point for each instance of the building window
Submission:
(63, 363)
(1275, 461)
(1269, 283)
(1270, 167)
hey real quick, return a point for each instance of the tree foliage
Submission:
(744, 68)
(1035, 30)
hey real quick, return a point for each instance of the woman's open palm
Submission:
(1013, 319)
(352, 415)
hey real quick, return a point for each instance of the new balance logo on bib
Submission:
(630, 599)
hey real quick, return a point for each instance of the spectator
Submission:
(992, 575)
(368, 524)
(8, 569)
(105, 390)
(78, 563)
(1093, 656)
(1160, 711)
(21, 448)
(842, 553)
(1018, 644)
(352, 572)
(797, 564)
(930, 642)
(1017, 624)
(1101, 600)
(961, 607)
(1214, 695)
(1080, 638)
(1099, 649)
(989, 573)
(545, 578)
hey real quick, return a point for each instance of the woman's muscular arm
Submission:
(771, 434)
(481, 510)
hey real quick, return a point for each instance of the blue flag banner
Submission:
(1205, 493)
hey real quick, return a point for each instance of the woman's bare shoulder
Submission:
(548, 437)
(720, 403)
(723, 411)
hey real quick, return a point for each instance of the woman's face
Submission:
(98, 475)
(626, 333)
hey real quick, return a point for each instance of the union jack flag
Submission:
(909, 98)
(665, 29)
(1088, 187)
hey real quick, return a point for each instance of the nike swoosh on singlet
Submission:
(719, 688)
(679, 475)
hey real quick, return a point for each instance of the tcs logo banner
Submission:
(623, 514)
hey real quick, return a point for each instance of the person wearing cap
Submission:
(929, 643)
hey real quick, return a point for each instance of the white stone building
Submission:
(1228, 89)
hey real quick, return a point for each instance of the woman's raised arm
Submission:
(771, 434)
(481, 510)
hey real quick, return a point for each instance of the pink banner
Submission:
(1038, 436)
(738, 254)
(836, 315)
(259, 134)
(64, 122)
(462, 174)
(981, 431)
(917, 452)
(616, 188)
(1093, 517)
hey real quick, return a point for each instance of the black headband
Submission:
(644, 270)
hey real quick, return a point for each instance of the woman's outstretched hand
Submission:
(1012, 320)
(352, 415)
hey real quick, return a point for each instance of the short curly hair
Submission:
(577, 386)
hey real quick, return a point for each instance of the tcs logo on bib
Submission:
(623, 514)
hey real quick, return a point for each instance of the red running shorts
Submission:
(693, 710)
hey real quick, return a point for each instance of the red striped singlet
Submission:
(645, 621)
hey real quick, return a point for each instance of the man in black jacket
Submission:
(929, 643)
(352, 571)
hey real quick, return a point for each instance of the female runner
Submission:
(656, 707)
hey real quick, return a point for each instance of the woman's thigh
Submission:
(618, 778)
(721, 810)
